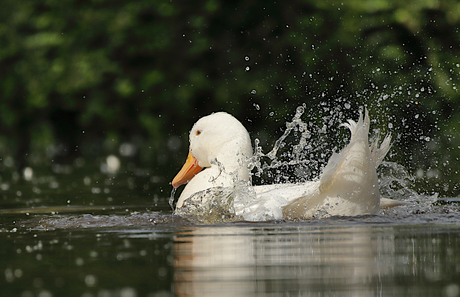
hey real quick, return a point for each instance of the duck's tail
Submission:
(379, 152)
(348, 185)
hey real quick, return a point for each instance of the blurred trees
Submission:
(82, 77)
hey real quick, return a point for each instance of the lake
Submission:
(93, 234)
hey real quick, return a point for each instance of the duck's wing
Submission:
(348, 185)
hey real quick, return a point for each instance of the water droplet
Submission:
(246, 58)
(299, 111)
(256, 106)
(253, 92)
(247, 68)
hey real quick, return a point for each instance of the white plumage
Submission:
(348, 185)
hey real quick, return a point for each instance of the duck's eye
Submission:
(198, 132)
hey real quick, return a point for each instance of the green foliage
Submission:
(148, 69)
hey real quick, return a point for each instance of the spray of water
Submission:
(299, 155)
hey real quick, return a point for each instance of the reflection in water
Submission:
(243, 261)
(147, 254)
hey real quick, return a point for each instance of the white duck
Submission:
(348, 185)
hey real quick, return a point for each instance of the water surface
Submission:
(83, 234)
(149, 253)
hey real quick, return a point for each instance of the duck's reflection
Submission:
(241, 261)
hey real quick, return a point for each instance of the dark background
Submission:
(80, 78)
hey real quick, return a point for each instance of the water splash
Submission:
(397, 183)
(172, 198)
(219, 204)
(299, 155)
(214, 205)
(275, 162)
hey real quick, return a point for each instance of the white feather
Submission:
(348, 184)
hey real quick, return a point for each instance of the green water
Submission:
(91, 234)
(137, 257)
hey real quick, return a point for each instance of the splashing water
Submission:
(298, 156)
(305, 157)
(294, 158)
(396, 183)
(172, 198)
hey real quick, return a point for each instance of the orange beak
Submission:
(188, 171)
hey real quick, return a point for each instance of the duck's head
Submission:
(218, 138)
